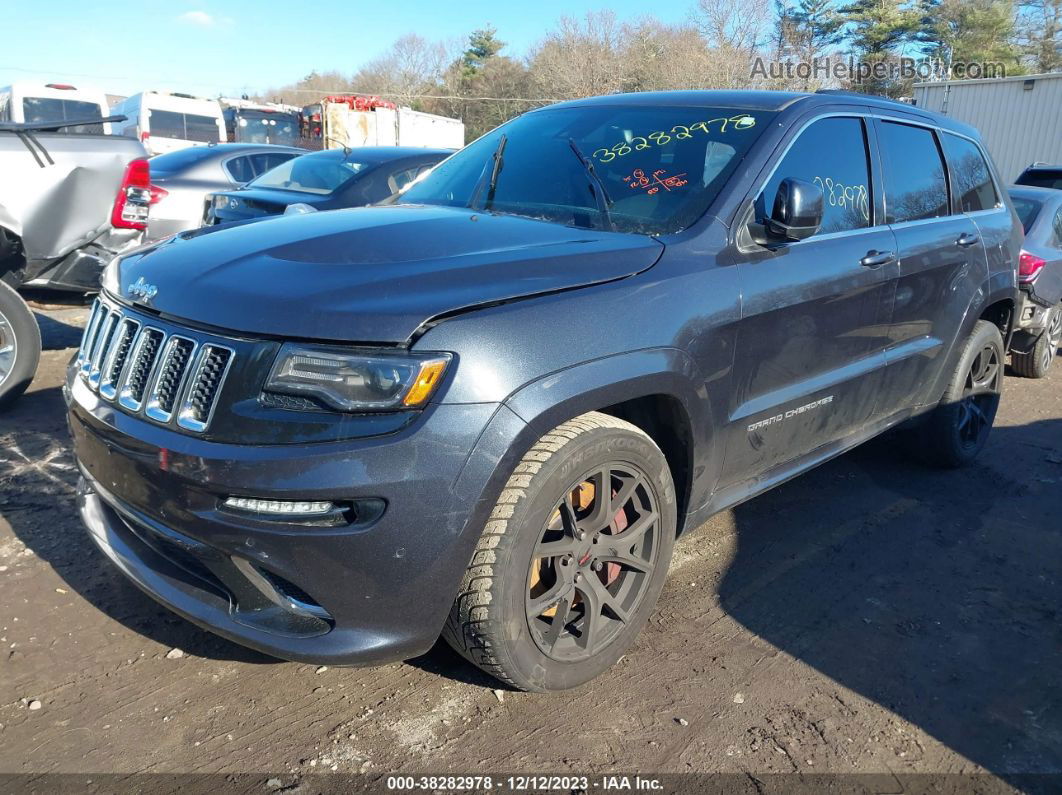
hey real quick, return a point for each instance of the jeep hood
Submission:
(372, 274)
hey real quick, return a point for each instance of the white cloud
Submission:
(200, 18)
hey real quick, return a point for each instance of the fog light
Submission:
(279, 507)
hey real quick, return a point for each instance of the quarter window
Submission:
(831, 153)
(915, 186)
(971, 179)
(240, 169)
(1058, 229)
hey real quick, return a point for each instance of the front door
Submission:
(810, 344)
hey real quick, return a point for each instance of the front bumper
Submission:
(376, 590)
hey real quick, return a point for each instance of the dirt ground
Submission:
(872, 616)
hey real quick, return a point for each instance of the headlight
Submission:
(350, 381)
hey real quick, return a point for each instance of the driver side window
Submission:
(832, 154)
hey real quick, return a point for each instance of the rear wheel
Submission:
(20, 345)
(958, 428)
(1037, 362)
(572, 560)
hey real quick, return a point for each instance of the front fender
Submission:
(543, 404)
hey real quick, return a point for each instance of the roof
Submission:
(235, 147)
(746, 100)
(766, 100)
(379, 154)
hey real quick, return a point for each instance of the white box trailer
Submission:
(1020, 118)
(426, 129)
(343, 126)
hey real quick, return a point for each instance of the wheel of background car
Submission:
(1037, 362)
(958, 428)
(20, 346)
(572, 559)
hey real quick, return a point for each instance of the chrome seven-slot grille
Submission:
(151, 372)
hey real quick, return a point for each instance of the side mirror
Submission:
(299, 208)
(797, 212)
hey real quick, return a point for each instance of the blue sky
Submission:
(230, 47)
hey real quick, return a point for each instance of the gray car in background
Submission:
(182, 180)
(1040, 277)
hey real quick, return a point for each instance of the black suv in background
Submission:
(487, 411)
(1041, 175)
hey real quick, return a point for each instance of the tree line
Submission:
(716, 47)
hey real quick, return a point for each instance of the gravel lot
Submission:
(873, 616)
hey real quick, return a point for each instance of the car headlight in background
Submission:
(357, 381)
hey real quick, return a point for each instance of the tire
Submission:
(20, 346)
(1037, 362)
(549, 499)
(957, 429)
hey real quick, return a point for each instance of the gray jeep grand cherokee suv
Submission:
(487, 411)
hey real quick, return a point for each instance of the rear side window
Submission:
(186, 126)
(262, 162)
(240, 169)
(831, 153)
(971, 179)
(45, 109)
(915, 187)
(1058, 229)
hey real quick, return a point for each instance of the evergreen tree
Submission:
(483, 44)
(878, 27)
(876, 30)
(817, 25)
(970, 31)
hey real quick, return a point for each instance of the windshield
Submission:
(321, 174)
(660, 166)
(1027, 210)
(259, 127)
(43, 109)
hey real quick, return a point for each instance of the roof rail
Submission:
(846, 92)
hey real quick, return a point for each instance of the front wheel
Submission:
(1037, 362)
(572, 560)
(958, 428)
(20, 345)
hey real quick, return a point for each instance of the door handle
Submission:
(966, 239)
(875, 259)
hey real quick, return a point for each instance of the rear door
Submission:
(941, 262)
(809, 349)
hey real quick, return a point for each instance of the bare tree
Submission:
(412, 68)
(1040, 34)
(581, 57)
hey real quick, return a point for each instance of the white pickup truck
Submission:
(68, 204)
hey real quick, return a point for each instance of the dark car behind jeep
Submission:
(487, 411)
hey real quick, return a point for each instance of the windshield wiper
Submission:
(489, 178)
(604, 201)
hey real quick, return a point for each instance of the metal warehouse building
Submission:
(1019, 117)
